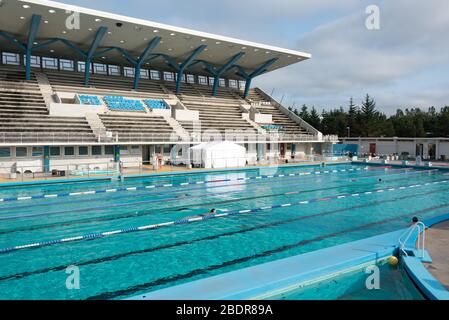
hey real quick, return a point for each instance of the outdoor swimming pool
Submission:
(123, 239)
(394, 285)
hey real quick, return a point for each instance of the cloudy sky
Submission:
(404, 64)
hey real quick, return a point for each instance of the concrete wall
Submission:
(73, 110)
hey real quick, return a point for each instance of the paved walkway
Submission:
(438, 246)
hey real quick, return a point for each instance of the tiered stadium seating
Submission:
(219, 114)
(156, 104)
(137, 128)
(119, 103)
(24, 116)
(286, 124)
(66, 81)
(91, 100)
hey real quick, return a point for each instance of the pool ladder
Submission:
(420, 227)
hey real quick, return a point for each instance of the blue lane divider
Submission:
(116, 205)
(92, 236)
(140, 188)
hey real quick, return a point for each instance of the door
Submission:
(419, 150)
(372, 148)
(282, 150)
(432, 151)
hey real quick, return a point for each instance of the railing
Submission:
(114, 137)
(419, 227)
(110, 169)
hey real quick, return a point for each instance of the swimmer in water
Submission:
(210, 213)
(380, 180)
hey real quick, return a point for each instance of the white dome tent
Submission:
(218, 155)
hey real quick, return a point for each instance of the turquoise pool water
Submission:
(315, 208)
(394, 284)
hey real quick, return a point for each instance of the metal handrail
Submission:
(421, 240)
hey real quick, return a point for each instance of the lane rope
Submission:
(169, 185)
(92, 236)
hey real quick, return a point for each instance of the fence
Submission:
(115, 137)
(110, 169)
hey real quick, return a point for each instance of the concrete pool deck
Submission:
(438, 247)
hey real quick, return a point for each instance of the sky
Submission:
(404, 63)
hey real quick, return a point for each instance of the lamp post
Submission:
(349, 131)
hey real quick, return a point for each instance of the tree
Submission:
(314, 119)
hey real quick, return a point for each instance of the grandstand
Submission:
(117, 82)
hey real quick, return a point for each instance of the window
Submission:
(82, 66)
(21, 152)
(5, 152)
(37, 151)
(135, 149)
(190, 78)
(66, 65)
(35, 61)
(124, 150)
(114, 70)
(10, 58)
(168, 76)
(233, 83)
(183, 77)
(96, 150)
(55, 151)
(83, 151)
(155, 75)
(100, 68)
(211, 81)
(202, 80)
(144, 74)
(167, 148)
(69, 151)
(109, 150)
(222, 82)
(128, 72)
(242, 84)
(49, 63)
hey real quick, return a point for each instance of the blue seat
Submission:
(89, 100)
(121, 104)
(156, 104)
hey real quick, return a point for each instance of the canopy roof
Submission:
(133, 36)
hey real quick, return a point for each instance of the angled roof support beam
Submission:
(261, 69)
(186, 64)
(151, 45)
(64, 41)
(12, 40)
(218, 73)
(35, 22)
(90, 54)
